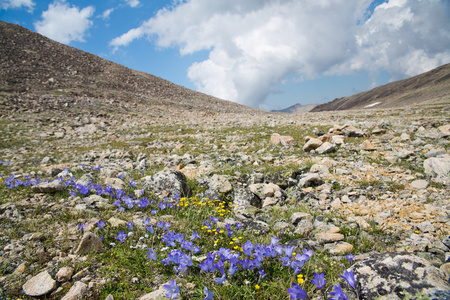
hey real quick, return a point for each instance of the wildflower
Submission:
(130, 225)
(121, 236)
(221, 280)
(82, 227)
(350, 257)
(300, 279)
(101, 224)
(238, 226)
(72, 193)
(132, 183)
(274, 241)
(219, 267)
(172, 289)
(338, 293)
(150, 229)
(248, 248)
(319, 280)
(151, 254)
(262, 273)
(233, 268)
(194, 235)
(350, 278)
(162, 206)
(296, 292)
(143, 203)
(257, 287)
(289, 250)
(209, 295)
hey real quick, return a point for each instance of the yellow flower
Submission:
(215, 242)
(234, 239)
(221, 231)
(257, 287)
(240, 237)
(300, 279)
(231, 243)
(417, 231)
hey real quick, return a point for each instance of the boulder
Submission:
(439, 168)
(89, 243)
(398, 276)
(49, 187)
(220, 183)
(76, 292)
(325, 148)
(169, 183)
(39, 285)
(244, 198)
(264, 190)
(312, 144)
(313, 179)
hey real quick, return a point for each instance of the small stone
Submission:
(76, 292)
(367, 146)
(298, 216)
(446, 269)
(64, 274)
(49, 187)
(419, 184)
(89, 242)
(269, 201)
(304, 227)
(426, 226)
(39, 285)
(311, 180)
(325, 148)
(312, 144)
(339, 248)
(324, 238)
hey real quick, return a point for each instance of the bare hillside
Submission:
(33, 64)
(430, 87)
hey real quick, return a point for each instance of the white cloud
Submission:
(254, 45)
(106, 13)
(65, 23)
(7, 4)
(132, 3)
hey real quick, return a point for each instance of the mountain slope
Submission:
(430, 87)
(32, 63)
(297, 109)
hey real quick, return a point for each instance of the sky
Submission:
(268, 54)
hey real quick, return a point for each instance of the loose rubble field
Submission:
(97, 204)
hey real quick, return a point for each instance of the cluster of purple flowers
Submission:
(13, 182)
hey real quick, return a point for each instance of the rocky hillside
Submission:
(297, 109)
(432, 87)
(33, 64)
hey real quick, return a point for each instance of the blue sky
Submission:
(262, 53)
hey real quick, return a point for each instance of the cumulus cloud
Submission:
(7, 4)
(106, 13)
(255, 45)
(132, 3)
(65, 23)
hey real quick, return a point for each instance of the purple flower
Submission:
(308, 253)
(350, 257)
(289, 250)
(132, 183)
(221, 280)
(229, 233)
(72, 193)
(247, 248)
(274, 241)
(121, 236)
(130, 225)
(262, 273)
(209, 295)
(238, 226)
(143, 203)
(338, 293)
(162, 206)
(151, 254)
(285, 261)
(82, 227)
(150, 229)
(194, 235)
(233, 268)
(296, 292)
(350, 278)
(213, 219)
(172, 289)
(146, 222)
(154, 212)
(101, 224)
(219, 267)
(319, 280)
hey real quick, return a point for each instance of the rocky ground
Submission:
(372, 183)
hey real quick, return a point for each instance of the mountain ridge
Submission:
(431, 86)
(32, 63)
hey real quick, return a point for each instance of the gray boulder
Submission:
(244, 198)
(311, 179)
(399, 275)
(439, 168)
(89, 243)
(39, 285)
(49, 187)
(169, 183)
